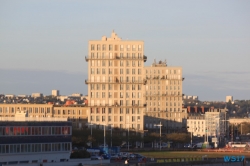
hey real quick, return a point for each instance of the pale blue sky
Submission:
(43, 42)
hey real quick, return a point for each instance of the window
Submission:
(121, 110)
(110, 71)
(98, 47)
(103, 63)
(103, 47)
(121, 71)
(110, 47)
(121, 87)
(103, 86)
(103, 94)
(121, 118)
(127, 63)
(110, 86)
(92, 47)
(121, 63)
(133, 71)
(110, 111)
(127, 71)
(139, 71)
(103, 71)
(98, 71)
(110, 63)
(92, 71)
(110, 95)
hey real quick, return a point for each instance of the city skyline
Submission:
(43, 43)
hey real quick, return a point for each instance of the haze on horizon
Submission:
(43, 43)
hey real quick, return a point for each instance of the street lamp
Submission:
(91, 131)
(128, 132)
(160, 132)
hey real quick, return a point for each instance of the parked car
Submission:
(96, 157)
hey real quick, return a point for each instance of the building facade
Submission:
(34, 140)
(76, 113)
(116, 83)
(163, 94)
(216, 120)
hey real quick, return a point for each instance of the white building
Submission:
(197, 125)
(35, 95)
(55, 93)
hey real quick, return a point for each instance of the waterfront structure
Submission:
(26, 139)
(163, 96)
(75, 113)
(116, 83)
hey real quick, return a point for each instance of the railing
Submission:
(144, 58)
(116, 81)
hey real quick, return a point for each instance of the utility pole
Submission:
(160, 132)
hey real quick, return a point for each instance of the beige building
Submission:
(76, 113)
(163, 95)
(116, 83)
(229, 98)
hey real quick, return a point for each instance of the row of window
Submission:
(167, 82)
(36, 110)
(167, 98)
(111, 47)
(35, 148)
(110, 95)
(110, 111)
(121, 118)
(110, 79)
(122, 63)
(111, 71)
(34, 130)
(166, 109)
(68, 112)
(151, 87)
(120, 103)
(163, 71)
(111, 87)
(159, 104)
(121, 126)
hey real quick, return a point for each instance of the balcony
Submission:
(116, 81)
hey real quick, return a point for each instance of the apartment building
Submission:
(116, 83)
(76, 113)
(196, 124)
(163, 96)
(216, 122)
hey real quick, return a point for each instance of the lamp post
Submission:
(128, 132)
(91, 131)
(160, 132)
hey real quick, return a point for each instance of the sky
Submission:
(43, 43)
